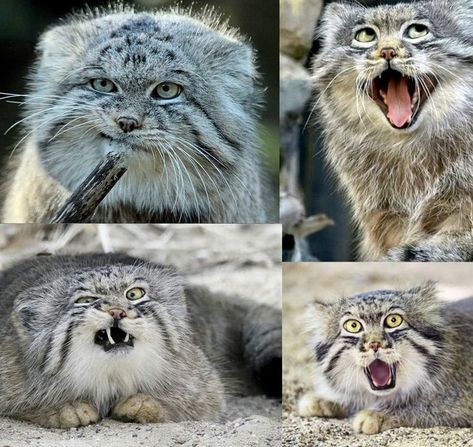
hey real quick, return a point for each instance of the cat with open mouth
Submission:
(394, 100)
(392, 358)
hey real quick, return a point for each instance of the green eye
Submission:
(86, 300)
(103, 85)
(393, 320)
(365, 35)
(417, 31)
(135, 294)
(353, 326)
(167, 90)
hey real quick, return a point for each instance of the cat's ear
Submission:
(428, 291)
(319, 308)
(60, 47)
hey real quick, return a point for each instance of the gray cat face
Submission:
(400, 68)
(108, 315)
(381, 343)
(169, 90)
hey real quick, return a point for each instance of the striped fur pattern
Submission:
(429, 352)
(191, 158)
(53, 370)
(410, 188)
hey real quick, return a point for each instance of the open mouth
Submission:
(113, 338)
(399, 97)
(381, 375)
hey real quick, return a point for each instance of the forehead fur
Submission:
(144, 41)
(446, 18)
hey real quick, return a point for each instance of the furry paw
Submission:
(430, 252)
(138, 408)
(311, 405)
(74, 414)
(371, 422)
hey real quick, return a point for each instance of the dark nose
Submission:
(117, 314)
(374, 345)
(127, 124)
(388, 53)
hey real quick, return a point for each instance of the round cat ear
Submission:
(429, 288)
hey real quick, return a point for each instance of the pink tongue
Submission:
(380, 373)
(399, 102)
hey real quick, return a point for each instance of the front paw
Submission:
(312, 405)
(371, 422)
(74, 414)
(138, 408)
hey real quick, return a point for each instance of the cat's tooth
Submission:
(109, 335)
(127, 338)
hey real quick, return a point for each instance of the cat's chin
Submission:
(400, 98)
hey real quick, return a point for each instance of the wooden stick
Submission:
(86, 198)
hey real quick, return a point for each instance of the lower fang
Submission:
(127, 338)
(109, 335)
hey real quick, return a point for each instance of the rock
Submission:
(298, 19)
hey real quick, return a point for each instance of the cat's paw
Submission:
(74, 414)
(138, 408)
(312, 405)
(371, 422)
(429, 251)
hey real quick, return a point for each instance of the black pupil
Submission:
(166, 88)
(353, 325)
(369, 31)
(103, 83)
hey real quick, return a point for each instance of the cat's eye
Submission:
(353, 326)
(103, 85)
(365, 35)
(416, 31)
(135, 294)
(393, 320)
(166, 90)
(86, 300)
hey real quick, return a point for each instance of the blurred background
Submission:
(240, 259)
(22, 21)
(305, 176)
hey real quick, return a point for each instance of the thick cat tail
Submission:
(262, 347)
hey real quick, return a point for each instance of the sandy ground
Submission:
(238, 258)
(304, 282)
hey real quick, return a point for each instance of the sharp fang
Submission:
(383, 95)
(127, 338)
(109, 335)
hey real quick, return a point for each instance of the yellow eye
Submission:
(167, 90)
(86, 300)
(135, 294)
(417, 31)
(393, 320)
(353, 326)
(365, 35)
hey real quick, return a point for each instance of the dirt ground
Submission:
(304, 282)
(239, 258)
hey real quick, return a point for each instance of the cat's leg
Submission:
(73, 414)
(447, 247)
(262, 347)
(371, 422)
(138, 408)
(312, 405)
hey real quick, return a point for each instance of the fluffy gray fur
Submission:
(430, 351)
(190, 347)
(192, 158)
(410, 188)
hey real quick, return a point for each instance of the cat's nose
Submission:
(374, 345)
(388, 53)
(117, 314)
(127, 124)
